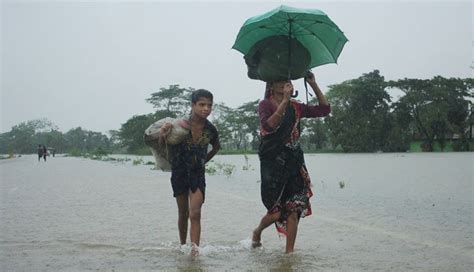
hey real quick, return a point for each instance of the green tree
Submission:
(132, 131)
(222, 118)
(247, 125)
(115, 143)
(439, 107)
(173, 101)
(315, 134)
(96, 140)
(75, 139)
(360, 113)
(85, 140)
(22, 138)
(26, 136)
(5, 143)
(238, 128)
(52, 139)
(402, 130)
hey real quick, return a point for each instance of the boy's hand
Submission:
(165, 131)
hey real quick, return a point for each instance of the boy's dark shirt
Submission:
(188, 160)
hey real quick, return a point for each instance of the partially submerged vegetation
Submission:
(99, 155)
(217, 168)
(212, 167)
(9, 156)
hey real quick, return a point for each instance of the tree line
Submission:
(25, 137)
(364, 118)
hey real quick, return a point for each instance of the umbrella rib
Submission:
(312, 22)
(275, 30)
(308, 32)
(279, 25)
(275, 27)
(327, 48)
(289, 17)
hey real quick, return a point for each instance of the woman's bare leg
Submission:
(292, 229)
(266, 221)
(183, 216)
(195, 201)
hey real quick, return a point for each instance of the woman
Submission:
(285, 186)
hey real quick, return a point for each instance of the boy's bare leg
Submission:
(292, 229)
(195, 202)
(266, 221)
(183, 216)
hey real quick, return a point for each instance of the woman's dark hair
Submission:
(200, 93)
(268, 89)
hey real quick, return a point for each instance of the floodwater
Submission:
(396, 212)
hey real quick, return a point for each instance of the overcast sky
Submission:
(93, 64)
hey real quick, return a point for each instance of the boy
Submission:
(188, 166)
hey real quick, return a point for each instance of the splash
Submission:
(214, 249)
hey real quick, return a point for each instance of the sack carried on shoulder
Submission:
(178, 133)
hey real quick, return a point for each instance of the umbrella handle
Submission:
(295, 94)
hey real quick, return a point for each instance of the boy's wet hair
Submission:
(200, 93)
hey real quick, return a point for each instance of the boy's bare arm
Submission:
(213, 152)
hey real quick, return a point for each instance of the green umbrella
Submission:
(286, 42)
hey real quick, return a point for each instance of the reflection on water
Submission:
(396, 212)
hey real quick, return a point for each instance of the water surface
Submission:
(396, 212)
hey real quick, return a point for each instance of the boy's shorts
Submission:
(182, 184)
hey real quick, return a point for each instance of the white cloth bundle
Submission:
(179, 131)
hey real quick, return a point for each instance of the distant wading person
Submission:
(285, 183)
(45, 152)
(40, 152)
(188, 161)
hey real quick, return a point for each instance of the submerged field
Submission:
(394, 212)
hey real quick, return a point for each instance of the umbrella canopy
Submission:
(286, 42)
